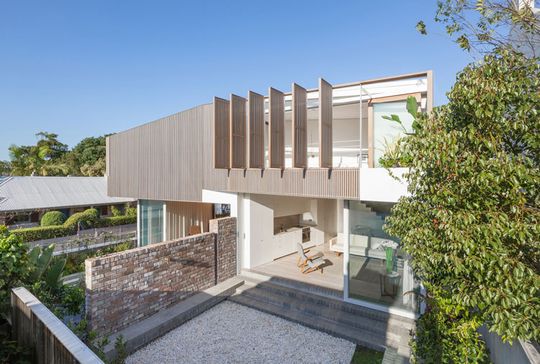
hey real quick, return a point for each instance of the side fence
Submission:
(503, 353)
(129, 286)
(35, 327)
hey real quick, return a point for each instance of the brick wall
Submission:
(225, 230)
(126, 287)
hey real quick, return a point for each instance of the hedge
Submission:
(42, 232)
(86, 219)
(117, 220)
(53, 218)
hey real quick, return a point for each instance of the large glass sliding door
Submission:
(150, 222)
(377, 270)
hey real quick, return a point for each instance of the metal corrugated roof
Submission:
(32, 193)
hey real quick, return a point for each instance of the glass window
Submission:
(387, 132)
(151, 222)
(378, 271)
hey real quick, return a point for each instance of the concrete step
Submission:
(331, 327)
(323, 311)
(331, 299)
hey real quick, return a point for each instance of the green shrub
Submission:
(118, 220)
(131, 211)
(116, 211)
(53, 218)
(42, 232)
(13, 265)
(87, 219)
(75, 261)
(92, 212)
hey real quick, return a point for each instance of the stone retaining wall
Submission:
(126, 287)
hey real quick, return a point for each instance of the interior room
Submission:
(279, 224)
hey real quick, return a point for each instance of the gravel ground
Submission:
(232, 333)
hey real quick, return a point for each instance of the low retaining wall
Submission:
(36, 327)
(127, 287)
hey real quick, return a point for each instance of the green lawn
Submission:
(366, 356)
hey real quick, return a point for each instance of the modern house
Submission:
(528, 43)
(23, 200)
(294, 167)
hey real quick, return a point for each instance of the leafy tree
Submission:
(472, 220)
(5, 168)
(483, 25)
(44, 159)
(88, 157)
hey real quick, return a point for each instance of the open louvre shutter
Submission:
(221, 133)
(277, 128)
(256, 130)
(238, 131)
(299, 126)
(325, 124)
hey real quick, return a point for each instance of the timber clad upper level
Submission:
(297, 129)
(309, 142)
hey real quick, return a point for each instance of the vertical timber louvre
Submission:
(256, 130)
(299, 126)
(325, 124)
(221, 133)
(238, 131)
(276, 109)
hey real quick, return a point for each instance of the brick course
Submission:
(129, 286)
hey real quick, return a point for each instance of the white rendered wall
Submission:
(235, 200)
(376, 184)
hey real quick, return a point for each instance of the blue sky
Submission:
(86, 68)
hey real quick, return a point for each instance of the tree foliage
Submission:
(45, 158)
(13, 266)
(483, 25)
(5, 168)
(88, 157)
(50, 157)
(472, 220)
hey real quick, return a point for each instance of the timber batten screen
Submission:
(325, 124)
(277, 128)
(256, 130)
(299, 126)
(238, 132)
(221, 134)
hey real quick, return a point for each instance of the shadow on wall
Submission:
(126, 287)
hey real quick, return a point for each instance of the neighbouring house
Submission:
(299, 167)
(525, 42)
(23, 200)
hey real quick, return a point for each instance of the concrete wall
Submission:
(126, 287)
(36, 327)
(376, 184)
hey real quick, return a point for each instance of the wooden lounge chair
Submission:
(309, 264)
